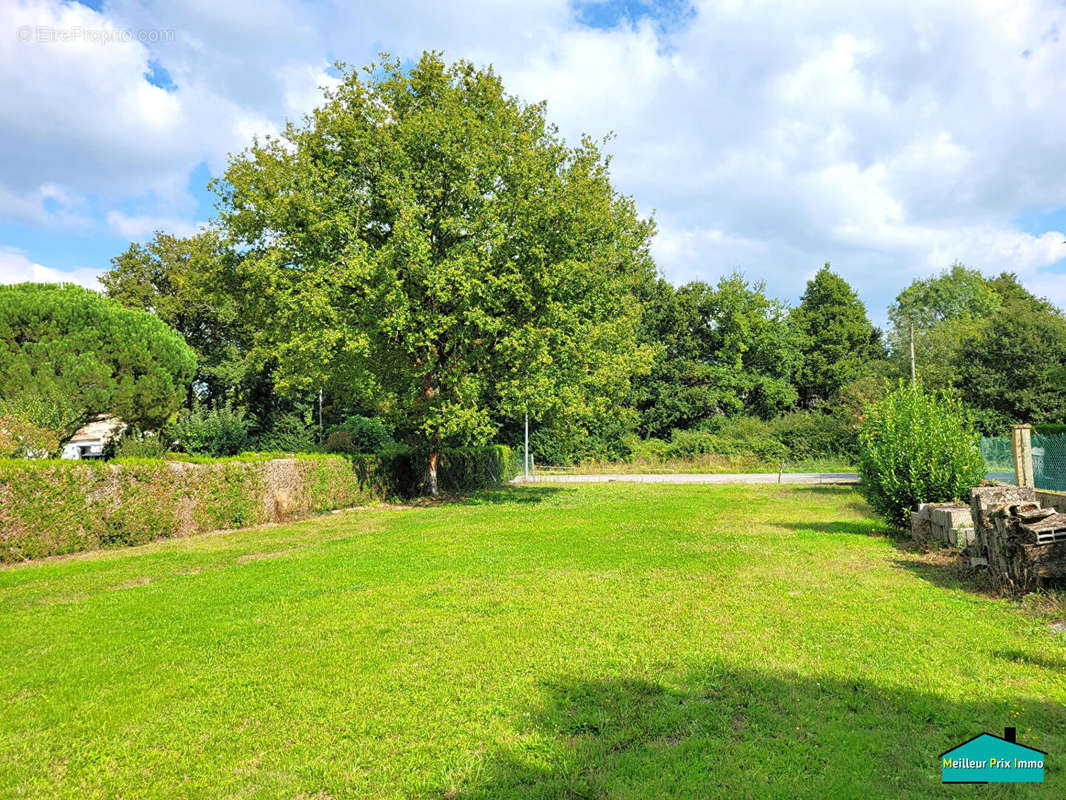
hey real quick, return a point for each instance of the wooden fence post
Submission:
(1022, 449)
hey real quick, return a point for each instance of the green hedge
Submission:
(1049, 428)
(400, 471)
(49, 507)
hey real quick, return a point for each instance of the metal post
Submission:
(525, 452)
(320, 413)
(914, 380)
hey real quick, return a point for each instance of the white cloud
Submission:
(890, 138)
(15, 267)
(140, 227)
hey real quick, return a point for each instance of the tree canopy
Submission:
(725, 349)
(191, 284)
(69, 354)
(1015, 365)
(998, 344)
(426, 251)
(836, 339)
(426, 237)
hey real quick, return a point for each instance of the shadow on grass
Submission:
(832, 490)
(850, 527)
(1042, 660)
(503, 495)
(944, 567)
(737, 733)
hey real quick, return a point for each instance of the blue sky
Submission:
(888, 138)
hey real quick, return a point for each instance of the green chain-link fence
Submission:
(999, 461)
(1049, 462)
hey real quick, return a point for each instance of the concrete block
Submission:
(920, 528)
(951, 517)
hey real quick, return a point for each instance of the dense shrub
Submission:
(815, 434)
(462, 469)
(727, 437)
(1046, 429)
(917, 447)
(650, 449)
(288, 434)
(136, 444)
(341, 442)
(219, 431)
(549, 448)
(467, 469)
(55, 506)
(366, 434)
(20, 438)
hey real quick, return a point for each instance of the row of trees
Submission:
(426, 250)
(729, 349)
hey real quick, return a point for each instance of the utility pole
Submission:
(914, 380)
(320, 413)
(525, 452)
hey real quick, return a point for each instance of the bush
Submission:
(468, 469)
(341, 442)
(136, 444)
(729, 437)
(650, 449)
(20, 438)
(1044, 429)
(917, 447)
(686, 444)
(289, 434)
(815, 434)
(220, 431)
(401, 470)
(366, 434)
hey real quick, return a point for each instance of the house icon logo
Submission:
(991, 759)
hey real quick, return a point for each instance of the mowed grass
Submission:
(620, 641)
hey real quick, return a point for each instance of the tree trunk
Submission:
(431, 474)
(429, 391)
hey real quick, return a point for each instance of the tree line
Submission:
(426, 255)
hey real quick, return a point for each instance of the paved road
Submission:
(757, 477)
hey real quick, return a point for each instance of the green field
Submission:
(636, 641)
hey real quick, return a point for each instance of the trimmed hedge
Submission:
(52, 506)
(400, 471)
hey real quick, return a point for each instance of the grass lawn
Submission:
(622, 641)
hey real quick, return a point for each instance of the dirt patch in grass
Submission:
(250, 557)
(143, 580)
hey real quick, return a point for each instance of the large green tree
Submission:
(428, 238)
(943, 311)
(69, 354)
(191, 283)
(725, 349)
(1015, 365)
(194, 284)
(836, 339)
(1002, 347)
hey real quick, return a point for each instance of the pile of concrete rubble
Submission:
(1004, 528)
